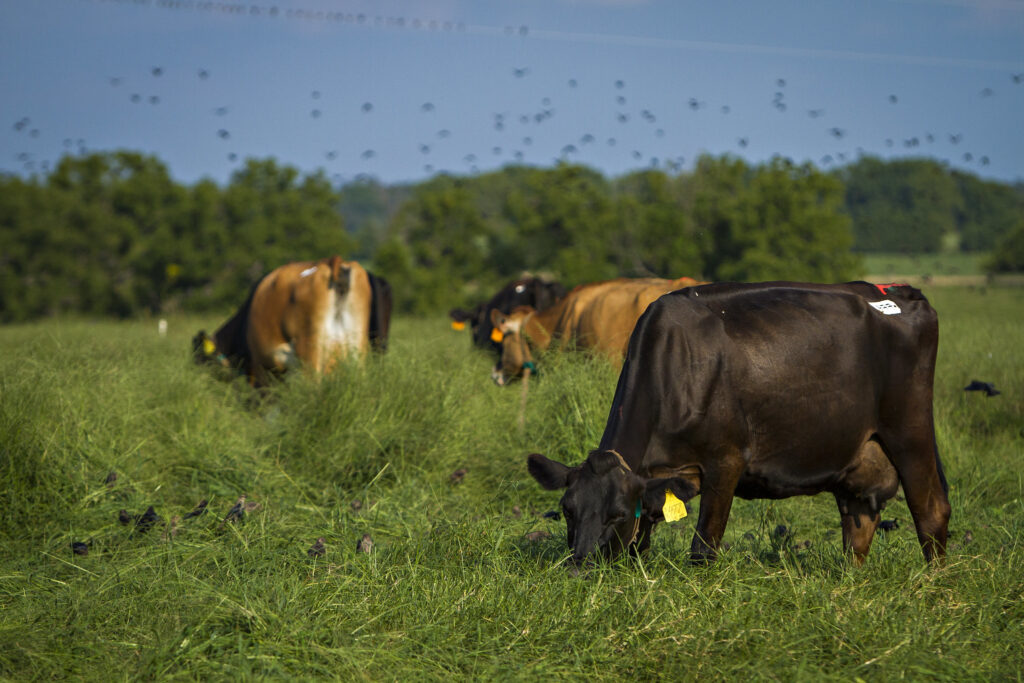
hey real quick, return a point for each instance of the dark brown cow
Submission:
(311, 312)
(598, 316)
(530, 291)
(764, 390)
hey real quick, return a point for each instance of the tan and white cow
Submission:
(309, 313)
(598, 316)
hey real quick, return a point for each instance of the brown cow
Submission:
(310, 312)
(599, 316)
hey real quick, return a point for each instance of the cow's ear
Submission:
(459, 315)
(548, 473)
(654, 494)
(498, 318)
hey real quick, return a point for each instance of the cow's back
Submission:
(601, 316)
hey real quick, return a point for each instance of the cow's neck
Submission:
(537, 329)
(628, 429)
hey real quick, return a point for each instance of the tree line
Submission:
(113, 234)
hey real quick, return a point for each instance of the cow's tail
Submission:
(380, 312)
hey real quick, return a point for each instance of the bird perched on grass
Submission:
(977, 385)
(365, 544)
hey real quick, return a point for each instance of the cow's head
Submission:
(516, 345)
(460, 317)
(606, 505)
(204, 350)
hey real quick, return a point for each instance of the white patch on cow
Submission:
(308, 271)
(344, 327)
(885, 306)
(520, 289)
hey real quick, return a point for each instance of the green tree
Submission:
(1008, 256)
(655, 237)
(907, 205)
(988, 211)
(438, 243)
(777, 221)
(564, 220)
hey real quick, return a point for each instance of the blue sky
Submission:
(401, 90)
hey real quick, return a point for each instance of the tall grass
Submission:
(453, 585)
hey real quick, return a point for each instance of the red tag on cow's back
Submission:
(883, 288)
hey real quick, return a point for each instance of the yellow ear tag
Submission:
(456, 325)
(496, 335)
(209, 347)
(674, 508)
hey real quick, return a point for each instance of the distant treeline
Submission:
(113, 234)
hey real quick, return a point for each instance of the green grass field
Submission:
(958, 263)
(454, 587)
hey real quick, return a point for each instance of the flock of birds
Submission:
(516, 135)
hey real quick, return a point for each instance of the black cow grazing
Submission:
(765, 390)
(535, 292)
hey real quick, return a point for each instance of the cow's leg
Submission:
(916, 462)
(716, 494)
(860, 519)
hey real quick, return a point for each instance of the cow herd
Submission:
(764, 390)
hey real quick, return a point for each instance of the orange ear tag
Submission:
(456, 325)
(496, 336)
